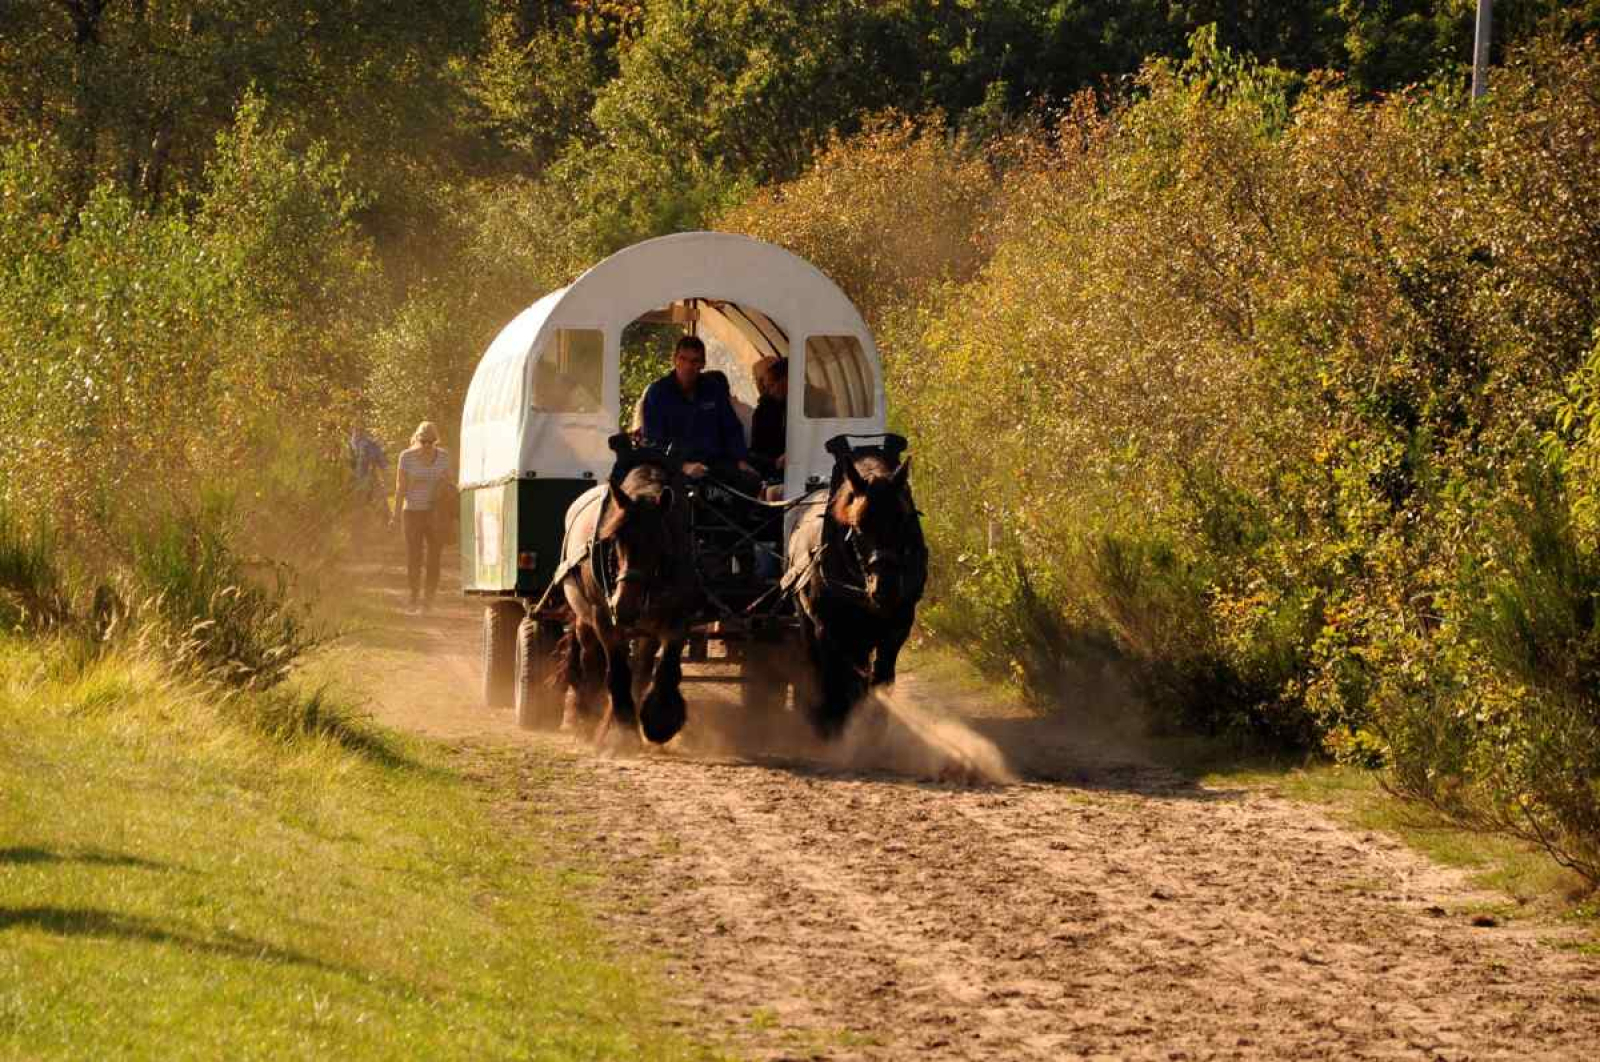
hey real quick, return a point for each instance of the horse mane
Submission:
(844, 507)
(646, 483)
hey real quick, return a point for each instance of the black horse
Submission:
(630, 581)
(857, 568)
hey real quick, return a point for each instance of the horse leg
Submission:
(586, 668)
(644, 663)
(664, 710)
(842, 674)
(620, 685)
(889, 646)
(568, 681)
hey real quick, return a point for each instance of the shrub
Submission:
(33, 593)
(1532, 706)
(203, 613)
(1235, 377)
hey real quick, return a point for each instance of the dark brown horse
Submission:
(858, 567)
(631, 581)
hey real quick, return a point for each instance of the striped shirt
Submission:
(422, 478)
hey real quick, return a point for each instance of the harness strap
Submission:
(578, 561)
(561, 575)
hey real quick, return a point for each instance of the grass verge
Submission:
(174, 884)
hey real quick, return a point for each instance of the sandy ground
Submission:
(855, 902)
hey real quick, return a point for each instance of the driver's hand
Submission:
(745, 466)
(694, 469)
(782, 462)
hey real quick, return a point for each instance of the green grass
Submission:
(174, 884)
(944, 667)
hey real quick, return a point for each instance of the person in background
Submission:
(368, 463)
(421, 476)
(769, 426)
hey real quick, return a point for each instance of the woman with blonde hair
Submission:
(422, 479)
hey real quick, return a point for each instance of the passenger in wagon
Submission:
(768, 426)
(692, 410)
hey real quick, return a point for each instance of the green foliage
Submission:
(885, 215)
(145, 349)
(1237, 384)
(205, 614)
(535, 91)
(33, 593)
(1526, 700)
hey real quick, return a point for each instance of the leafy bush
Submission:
(205, 614)
(1519, 729)
(33, 594)
(1242, 372)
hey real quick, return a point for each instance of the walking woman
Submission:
(422, 481)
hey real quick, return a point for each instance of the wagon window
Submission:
(567, 377)
(838, 378)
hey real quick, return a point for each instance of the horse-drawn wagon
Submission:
(543, 427)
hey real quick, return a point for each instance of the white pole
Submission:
(1480, 49)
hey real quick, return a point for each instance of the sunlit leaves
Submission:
(145, 347)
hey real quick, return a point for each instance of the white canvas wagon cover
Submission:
(544, 399)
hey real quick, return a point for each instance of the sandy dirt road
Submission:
(839, 904)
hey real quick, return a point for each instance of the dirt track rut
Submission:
(829, 904)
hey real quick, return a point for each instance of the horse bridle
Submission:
(873, 560)
(866, 563)
(650, 580)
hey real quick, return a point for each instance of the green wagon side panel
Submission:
(503, 522)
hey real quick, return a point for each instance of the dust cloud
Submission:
(892, 732)
(898, 732)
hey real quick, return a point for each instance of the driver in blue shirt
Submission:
(691, 409)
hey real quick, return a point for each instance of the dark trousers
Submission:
(420, 531)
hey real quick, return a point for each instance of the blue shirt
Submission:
(366, 455)
(704, 427)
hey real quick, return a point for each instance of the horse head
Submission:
(644, 533)
(874, 510)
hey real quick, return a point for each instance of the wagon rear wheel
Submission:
(534, 698)
(499, 650)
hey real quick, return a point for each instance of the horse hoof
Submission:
(663, 715)
(827, 728)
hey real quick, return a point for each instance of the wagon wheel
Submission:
(535, 699)
(499, 651)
